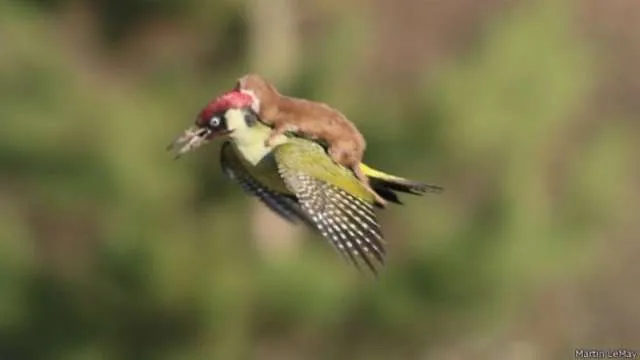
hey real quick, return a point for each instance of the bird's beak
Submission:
(191, 139)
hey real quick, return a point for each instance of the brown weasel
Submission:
(316, 120)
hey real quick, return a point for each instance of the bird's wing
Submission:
(283, 205)
(300, 151)
(347, 221)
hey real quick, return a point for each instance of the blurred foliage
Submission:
(109, 250)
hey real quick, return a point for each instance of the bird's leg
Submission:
(357, 170)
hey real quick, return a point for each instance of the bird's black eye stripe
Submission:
(251, 118)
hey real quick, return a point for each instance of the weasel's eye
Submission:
(214, 122)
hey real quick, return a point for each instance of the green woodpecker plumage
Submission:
(298, 180)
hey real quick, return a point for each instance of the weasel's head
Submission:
(261, 90)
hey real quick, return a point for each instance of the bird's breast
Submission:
(261, 164)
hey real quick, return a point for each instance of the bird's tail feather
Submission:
(384, 184)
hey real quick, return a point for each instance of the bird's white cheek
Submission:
(235, 120)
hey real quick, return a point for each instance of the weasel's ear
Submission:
(238, 85)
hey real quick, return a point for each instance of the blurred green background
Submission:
(526, 111)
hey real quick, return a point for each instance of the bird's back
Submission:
(304, 156)
(309, 157)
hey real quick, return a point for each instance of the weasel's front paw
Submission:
(268, 142)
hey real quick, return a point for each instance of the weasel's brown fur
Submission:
(316, 120)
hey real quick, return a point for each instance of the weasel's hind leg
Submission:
(357, 170)
(344, 158)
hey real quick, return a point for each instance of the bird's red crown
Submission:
(230, 100)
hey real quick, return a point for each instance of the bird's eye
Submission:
(214, 122)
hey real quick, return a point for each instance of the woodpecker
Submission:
(312, 119)
(297, 179)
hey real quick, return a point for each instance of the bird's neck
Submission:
(251, 142)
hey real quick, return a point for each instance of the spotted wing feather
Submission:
(347, 222)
